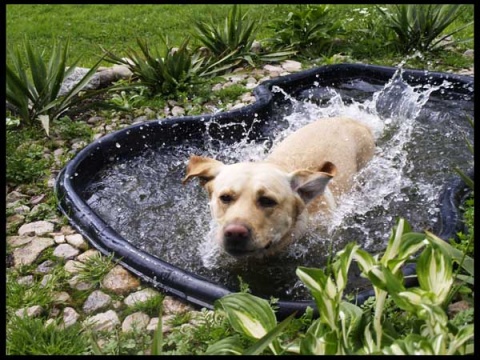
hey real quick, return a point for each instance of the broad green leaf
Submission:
(319, 340)
(401, 227)
(248, 314)
(434, 272)
(229, 346)
(458, 256)
(268, 339)
(464, 334)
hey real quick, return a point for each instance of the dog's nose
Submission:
(236, 238)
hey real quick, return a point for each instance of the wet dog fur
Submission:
(261, 207)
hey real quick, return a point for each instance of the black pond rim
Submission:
(198, 290)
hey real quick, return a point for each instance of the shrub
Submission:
(308, 29)
(422, 27)
(36, 96)
(343, 327)
(230, 45)
(24, 159)
(174, 70)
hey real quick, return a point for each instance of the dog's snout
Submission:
(236, 232)
(236, 238)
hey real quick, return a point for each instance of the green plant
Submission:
(465, 239)
(25, 162)
(149, 306)
(36, 96)
(174, 70)
(127, 100)
(95, 267)
(343, 327)
(309, 29)
(68, 129)
(30, 336)
(230, 45)
(25, 295)
(422, 27)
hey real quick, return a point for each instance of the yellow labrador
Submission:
(260, 207)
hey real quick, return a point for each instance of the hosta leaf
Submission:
(248, 314)
(269, 338)
(458, 256)
(434, 272)
(228, 346)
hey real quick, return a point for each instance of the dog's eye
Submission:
(266, 201)
(226, 199)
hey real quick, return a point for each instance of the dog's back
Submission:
(344, 142)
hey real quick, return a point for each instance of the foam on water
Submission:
(142, 197)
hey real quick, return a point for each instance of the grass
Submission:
(117, 27)
(114, 27)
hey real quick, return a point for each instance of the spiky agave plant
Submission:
(422, 27)
(33, 87)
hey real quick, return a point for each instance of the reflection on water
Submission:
(419, 137)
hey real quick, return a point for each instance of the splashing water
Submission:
(417, 138)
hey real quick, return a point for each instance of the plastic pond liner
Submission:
(123, 192)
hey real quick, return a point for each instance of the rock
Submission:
(30, 252)
(65, 251)
(217, 87)
(21, 210)
(106, 321)
(61, 297)
(291, 66)
(173, 306)
(15, 196)
(94, 120)
(256, 47)
(70, 317)
(140, 296)
(247, 98)
(87, 255)
(73, 267)
(178, 111)
(67, 230)
(469, 53)
(137, 321)
(166, 324)
(16, 241)
(35, 200)
(46, 279)
(32, 311)
(75, 283)
(77, 241)
(273, 70)
(25, 280)
(455, 308)
(106, 76)
(59, 239)
(96, 300)
(120, 281)
(45, 267)
(38, 228)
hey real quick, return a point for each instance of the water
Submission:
(419, 137)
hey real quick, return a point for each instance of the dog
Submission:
(261, 207)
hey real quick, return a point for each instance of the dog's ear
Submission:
(310, 184)
(202, 167)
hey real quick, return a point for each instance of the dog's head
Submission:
(257, 206)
